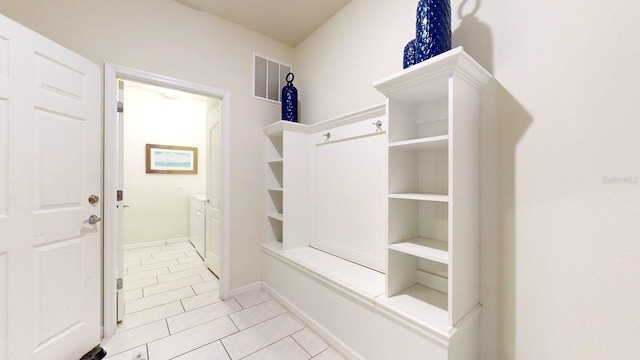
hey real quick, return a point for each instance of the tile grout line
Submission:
(220, 339)
(320, 353)
(160, 293)
(224, 347)
(233, 322)
(264, 347)
(151, 307)
(184, 310)
(296, 341)
(262, 322)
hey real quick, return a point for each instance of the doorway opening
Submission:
(124, 151)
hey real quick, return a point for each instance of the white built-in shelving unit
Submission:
(275, 187)
(401, 180)
(287, 186)
(433, 250)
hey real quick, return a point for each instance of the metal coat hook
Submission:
(378, 125)
(327, 136)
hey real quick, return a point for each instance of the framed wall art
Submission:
(168, 159)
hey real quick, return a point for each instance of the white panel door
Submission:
(213, 232)
(50, 163)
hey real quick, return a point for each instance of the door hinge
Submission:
(119, 284)
(120, 106)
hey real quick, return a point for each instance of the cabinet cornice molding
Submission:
(409, 83)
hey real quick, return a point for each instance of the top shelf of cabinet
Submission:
(429, 80)
(276, 129)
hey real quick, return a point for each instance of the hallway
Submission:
(173, 311)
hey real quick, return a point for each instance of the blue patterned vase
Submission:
(433, 28)
(289, 100)
(409, 57)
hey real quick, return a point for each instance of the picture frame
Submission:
(169, 159)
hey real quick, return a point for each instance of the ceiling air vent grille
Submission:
(268, 78)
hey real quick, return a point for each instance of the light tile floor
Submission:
(173, 311)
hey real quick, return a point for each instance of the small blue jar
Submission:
(409, 57)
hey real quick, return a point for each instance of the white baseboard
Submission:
(154, 243)
(243, 289)
(325, 334)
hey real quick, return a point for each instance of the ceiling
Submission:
(288, 21)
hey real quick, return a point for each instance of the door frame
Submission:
(112, 73)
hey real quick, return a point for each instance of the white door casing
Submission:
(112, 73)
(50, 163)
(214, 190)
(120, 201)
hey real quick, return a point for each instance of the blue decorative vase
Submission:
(409, 57)
(289, 100)
(433, 28)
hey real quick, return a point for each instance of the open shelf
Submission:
(425, 248)
(420, 166)
(274, 230)
(421, 197)
(416, 220)
(426, 143)
(420, 306)
(274, 203)
(276, 162)
(274, 149)
(424, 122)
(276, 216)
(275, 175)
(275, 189)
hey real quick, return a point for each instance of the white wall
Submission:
(159, 208)
(560, 247)
(167, 38)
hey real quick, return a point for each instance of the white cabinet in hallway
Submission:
(387, 215)
(434, 219)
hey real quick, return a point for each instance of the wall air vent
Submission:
(268, 78)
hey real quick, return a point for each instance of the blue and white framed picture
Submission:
(168, 159)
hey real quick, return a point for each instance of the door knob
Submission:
(92, 220)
